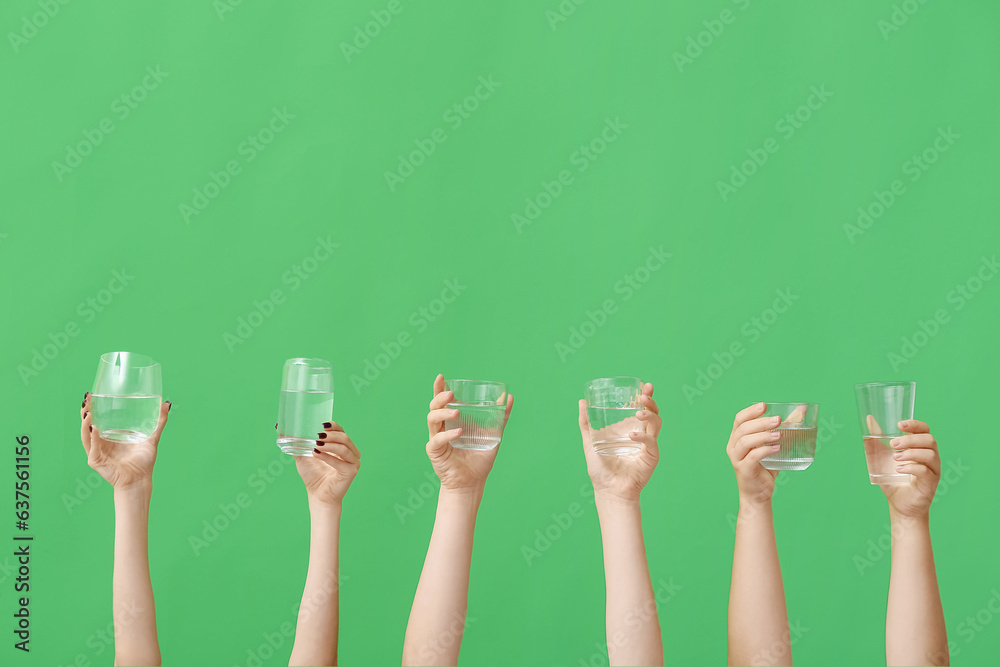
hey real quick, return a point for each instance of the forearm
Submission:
(437, 619)
(632, 624)
(758, 619)
(316, 631)
(914, 628)
(132, 597)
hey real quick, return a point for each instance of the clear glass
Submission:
(881, 406)
(125, 402)
(305, 402)
(798, 435)
(481, 406)
(611, 407)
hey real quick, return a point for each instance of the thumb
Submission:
(161, 421)
(584, 425)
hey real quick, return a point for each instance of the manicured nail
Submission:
(84, 404)
(640, 413)
(775, 435)
(899, 468)
(775, 448)
(775, 419)
(85, 395)
(316, 451)
(319, 442)
(897, 455)
(894, 442)
(325, 424)
(321, 435)
(85, 413)
(91, 427)
(275, 424)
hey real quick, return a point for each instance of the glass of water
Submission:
(125, 402)
(881, 406)
(797, 435)
(305, 402)
(611, 407)
(481, 405)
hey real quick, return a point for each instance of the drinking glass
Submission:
(305, 402)
(481, 406)
(125, 402)
(611, 407)
(798, 435)
(881, 406)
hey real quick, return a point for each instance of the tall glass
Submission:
(881, 405)
(305, 402)
(611, 407)
(481, 405)
(797, 431)
(125, 402)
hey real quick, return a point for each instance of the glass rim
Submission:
(137, 355)
(493, 382)
(590, 383)
(811, 405)
(307, 361)
(896, 383)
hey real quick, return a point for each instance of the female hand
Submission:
(121, 464)
(458, 469)
(328, 473)
(751, 440)
(625, 476)
(916, 455)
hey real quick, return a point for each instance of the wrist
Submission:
(604, 498)
(897, 518)
(324, 506)
(141, 490)
(462, 499)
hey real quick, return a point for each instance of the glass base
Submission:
(617, 448)
(475, 445)
(787, 464)
(123, 436)
(881, 480)
(296, 446)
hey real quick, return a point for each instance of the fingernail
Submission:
(85, 413)
(275, 424)
(83, 404)
(91, 427)
(775, 435)
(894, 442)
(318, 442)
(325, 425)
(640, 413)
(760, 406)
(897, 455)
(316, 451)
(775, 448)
(169, 405)
(85, 395)
(321, 435)
(899, 468)
(775, 420)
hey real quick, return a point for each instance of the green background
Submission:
(656, 185)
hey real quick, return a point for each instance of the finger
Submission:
(648, 441)
(584, 421)
(341, 465)
(331, 426)
(336, 436)
(918, 470)
(746, 414)
(873, 426)
(914, 426)
(339, 449)
(439, 384)
(441, 399)
(510, 405)
(85, 406)
(927, 457)
(648, 403)
(161, 421)
(922, 440)
(797, 415)
(85, 428)
(748, 443)
(756, 426)
(437, 418)
(440, 442)
(758, 454)
(653, 421)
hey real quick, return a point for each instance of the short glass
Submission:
(482, 406)
(881, 406)
(125, 402)
(798, 435)
(305, 402)
(611, 407)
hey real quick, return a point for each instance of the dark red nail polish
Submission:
(91, 427)
(322, 435)
(85, 413)
(317, 451)
(327, 424)
(275, 424)
(318, 442)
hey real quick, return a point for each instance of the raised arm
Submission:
(327, 474)
(437, 618)
(758, 620)
(631, 621)
(914, 625)
(128, 467)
